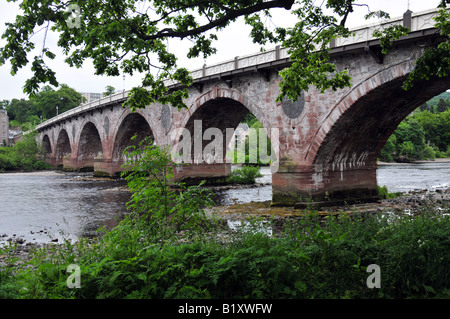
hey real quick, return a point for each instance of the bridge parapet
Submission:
(275, 57)
(415, 22)
(86, 107)
(250, 60)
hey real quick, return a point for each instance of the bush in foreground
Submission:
(311, 258)
(244, 175)
(168, 247)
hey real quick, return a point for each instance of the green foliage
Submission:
(308, 47)
(42, 106)
(434, 101)
(20, 110)
(109, 90)
(257, 149)
(422, 135)
(384, 193)
(407, 149)
(428, 152)
(389, 149)
(120, 37)
(166, 211)
(312, 257)
(435, 62)
(389, 35)
(24, 155)
(411, 131)
(442, 105)
(47, 101)
(244, 175)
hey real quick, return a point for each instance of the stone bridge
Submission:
(327, 144)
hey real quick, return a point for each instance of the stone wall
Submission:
(327, 142)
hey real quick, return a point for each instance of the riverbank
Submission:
(42, 206)
(437, 160)
(18, 252)
(410, 203)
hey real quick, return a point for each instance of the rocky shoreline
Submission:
(19, 251)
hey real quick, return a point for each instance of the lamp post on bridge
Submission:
(57, 107)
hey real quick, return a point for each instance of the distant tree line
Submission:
(25, 155)
(27, 113)
(424, 134)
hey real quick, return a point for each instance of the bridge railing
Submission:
(416, 21)
(274, 54)
(86, 107)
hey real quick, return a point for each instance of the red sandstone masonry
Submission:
(306, 141)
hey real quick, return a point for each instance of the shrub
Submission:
(428, 152)
(407, 149)
(312, 257)
(22, 156)
(244, 175)
(165, 210)
(384, 193)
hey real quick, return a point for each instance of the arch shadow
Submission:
(62, 147)
(90, 146)
(206, 130)
(132, 130)
(46, 145)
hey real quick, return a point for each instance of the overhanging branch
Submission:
(233, 14)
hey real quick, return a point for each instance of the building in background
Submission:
(90, 97)
(4, 128)
(15, 135)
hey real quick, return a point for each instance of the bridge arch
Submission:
(130, 124)
(210, 123)
(46, 145)
(62, 146)
(344, 150)
(219, 93)
(362, 121)
(90, 146)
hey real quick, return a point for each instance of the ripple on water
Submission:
(44, 206)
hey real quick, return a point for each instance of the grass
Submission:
(244, 175)
(310, 257)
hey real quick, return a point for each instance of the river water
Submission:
(49, 206)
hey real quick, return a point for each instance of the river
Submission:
(49, 206)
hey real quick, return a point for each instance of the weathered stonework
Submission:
(328, 142)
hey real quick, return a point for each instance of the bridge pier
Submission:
(107, 166)
(318, 186)
(51, 160)
(69, 163)
(328, 142)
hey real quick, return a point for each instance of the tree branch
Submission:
(171, 33)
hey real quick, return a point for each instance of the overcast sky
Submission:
(232, 42)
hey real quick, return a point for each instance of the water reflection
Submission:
(246, 194)
(45, 206)
(407, 177)
(40, 207)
